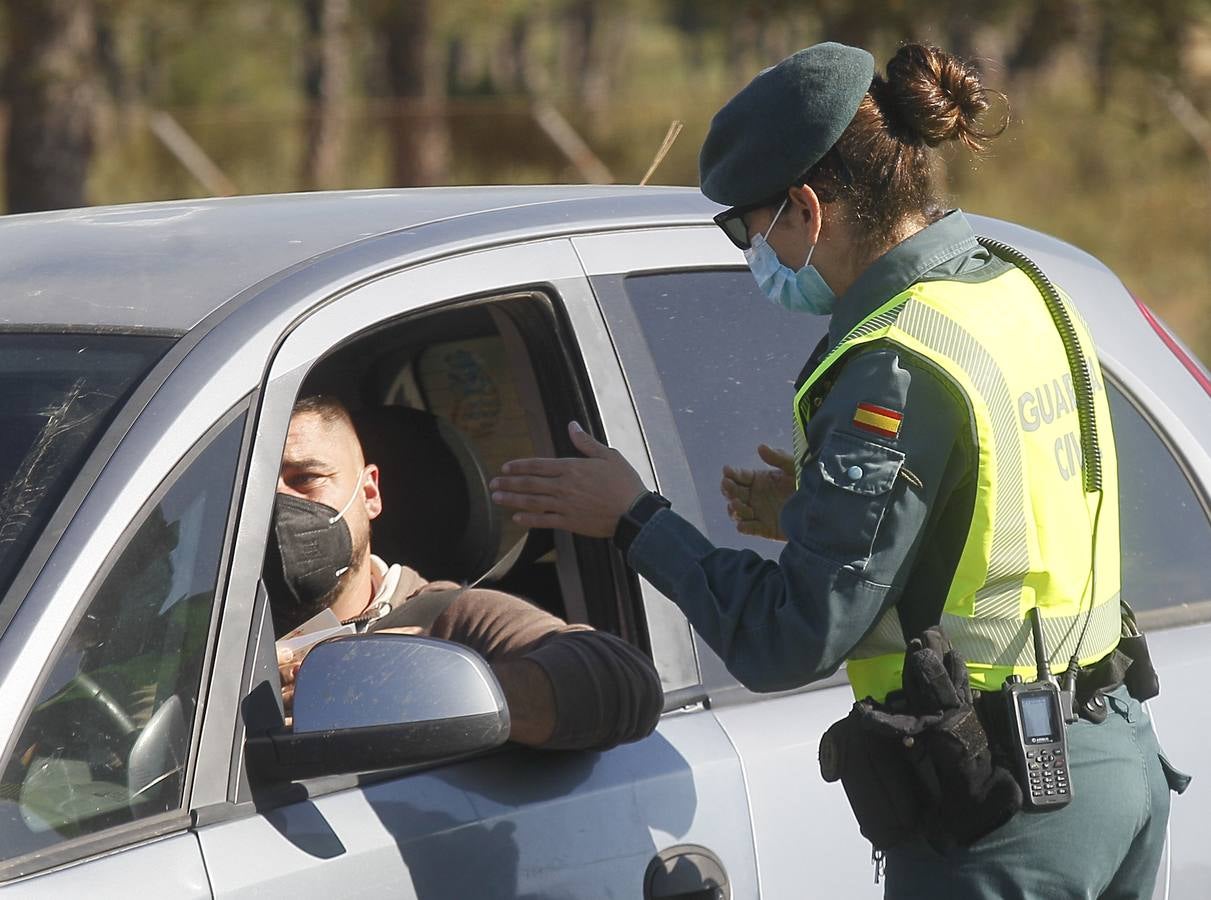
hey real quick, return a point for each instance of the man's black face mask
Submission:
(310, 549)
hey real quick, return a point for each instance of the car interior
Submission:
(441, 400)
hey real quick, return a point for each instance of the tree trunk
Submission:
(50, 85)
(515, 66)
(520, 42)
(417, 77)
(582, 62)
(740, 48)
(325, 84)
(1049, 25)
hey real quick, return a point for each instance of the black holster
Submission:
(920, 764)
(1141, 678)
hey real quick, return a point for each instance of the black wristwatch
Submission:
(632, 521)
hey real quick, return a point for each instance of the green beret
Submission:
(782, 123)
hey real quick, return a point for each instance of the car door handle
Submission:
(686, 872)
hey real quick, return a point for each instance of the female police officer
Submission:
(932, 484)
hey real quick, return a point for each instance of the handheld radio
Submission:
(1038, 711)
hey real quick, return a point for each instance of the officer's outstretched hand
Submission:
(755, 496)
(582, 495)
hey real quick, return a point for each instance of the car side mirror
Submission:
(380, 701)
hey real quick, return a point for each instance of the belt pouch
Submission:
(878, 772)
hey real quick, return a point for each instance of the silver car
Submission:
(149, 359)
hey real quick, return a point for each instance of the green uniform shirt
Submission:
(781, 625)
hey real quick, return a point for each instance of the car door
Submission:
(712, 367)
(515, 823)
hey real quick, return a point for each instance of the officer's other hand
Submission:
(585, 496)
(755, 496)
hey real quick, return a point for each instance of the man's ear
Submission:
(371, 496)
(805, 203)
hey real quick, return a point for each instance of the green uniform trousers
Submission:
(1105, 844)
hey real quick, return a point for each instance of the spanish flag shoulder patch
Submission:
(878, 419)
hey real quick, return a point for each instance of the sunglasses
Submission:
(731, 221)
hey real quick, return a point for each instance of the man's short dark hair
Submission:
(330, 409)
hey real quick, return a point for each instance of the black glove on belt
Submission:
(920, 764)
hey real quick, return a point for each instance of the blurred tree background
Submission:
(111, 101)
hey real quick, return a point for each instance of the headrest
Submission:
(438, 515)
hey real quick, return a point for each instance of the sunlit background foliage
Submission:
(1109, 143)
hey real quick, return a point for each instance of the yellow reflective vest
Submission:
(1031, 534)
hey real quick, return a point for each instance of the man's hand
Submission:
(585, 496)
(755, 496)
(288, 670)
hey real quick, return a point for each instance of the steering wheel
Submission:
(158, 749)
(104, 701)
(154, 754)
(162, 744)
(54, 795)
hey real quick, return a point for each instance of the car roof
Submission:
(166, 266)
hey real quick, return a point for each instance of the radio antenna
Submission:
(670, 136)
(1040, 651)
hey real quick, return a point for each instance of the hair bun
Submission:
(936, 96)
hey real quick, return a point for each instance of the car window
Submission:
(1165, 534)
(494, 380)
(725, 361)
(57, 392)
(107, 739)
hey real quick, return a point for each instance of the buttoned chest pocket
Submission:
(856, 478)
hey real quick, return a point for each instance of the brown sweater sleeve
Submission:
(606, 691)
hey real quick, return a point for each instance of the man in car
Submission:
(567, 686)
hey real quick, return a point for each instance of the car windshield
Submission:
(57, 393)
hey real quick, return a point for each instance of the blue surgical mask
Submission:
(802, 291)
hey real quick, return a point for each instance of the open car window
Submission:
(107, 739)
(439, 404)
